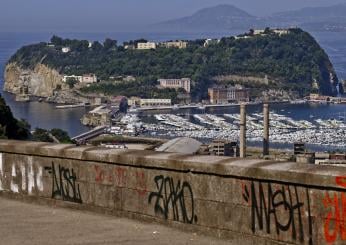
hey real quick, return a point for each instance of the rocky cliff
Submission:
(40, 81)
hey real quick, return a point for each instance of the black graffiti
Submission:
(64, 184)
(282, 205)
(172, 198)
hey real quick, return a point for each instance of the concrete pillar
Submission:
(265, 129)
(242, 135)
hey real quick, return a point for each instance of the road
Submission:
(26, 224)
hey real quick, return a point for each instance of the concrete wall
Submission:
(251, 201)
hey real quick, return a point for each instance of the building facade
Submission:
(148, 45)
(86, 78)
(89, 78)
(175, 44)
(155, 102)
(184, 83)
(224, 148)
(225, 94)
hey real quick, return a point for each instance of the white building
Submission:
(86, 78)
(211, 42)
(155, 102)
(184, 83)
(89, 78)
(276, 31)
(148, 45)
(78, 78)
(175, 44)
(281, 31)
(66, 49)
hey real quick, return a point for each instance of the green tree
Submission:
(61, 135)
(109, 44)
(10, 127)
(41, 135)
(71, 81)
(57, 41)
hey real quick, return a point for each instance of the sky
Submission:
(122, 15)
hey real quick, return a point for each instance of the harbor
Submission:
(283, 129)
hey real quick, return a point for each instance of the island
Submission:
(277, 62)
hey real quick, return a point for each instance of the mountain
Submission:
(228, 17)
(316, 18)
(221, 17)
(314, 14)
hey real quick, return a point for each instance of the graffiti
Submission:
(281, 206)
(14, 186)
(34, 177)
(99, 174)
(173, 198)
(120, 174)
(64, 184)
(22, 178)
(335, 222)
(1, 172)
(141, 184)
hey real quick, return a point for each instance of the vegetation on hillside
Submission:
(10, 127)
(52, 135)
(292, 60)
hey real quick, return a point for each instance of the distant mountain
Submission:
(221, 17)
(316, 18)
(315, 13)
(228, 17)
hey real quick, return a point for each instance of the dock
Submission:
(70, 106)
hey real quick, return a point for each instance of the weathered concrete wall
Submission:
(251, 201)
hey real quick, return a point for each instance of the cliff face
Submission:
(40, 81)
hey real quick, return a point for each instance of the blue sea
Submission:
(46, 116)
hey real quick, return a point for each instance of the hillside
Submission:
(292, 62)
(11, 128)
(229, 17)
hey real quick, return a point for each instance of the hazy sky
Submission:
(120, 15)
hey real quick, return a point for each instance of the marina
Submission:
(325, 132)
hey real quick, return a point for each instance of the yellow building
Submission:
(144, 46)
(175, 44)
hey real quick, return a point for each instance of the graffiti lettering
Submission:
(120, 174)
(279, 205)
(141, 183)
(64, 184)
(335, 223)
(1, 172)
(172, 198)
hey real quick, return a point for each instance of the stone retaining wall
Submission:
(249, 201)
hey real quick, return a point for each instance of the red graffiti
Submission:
(141, 183)
(120, 174)
(335, 223)
(99, 177)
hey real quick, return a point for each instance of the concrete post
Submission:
(265, 129)
(242, 130)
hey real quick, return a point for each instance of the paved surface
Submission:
(23, 223)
